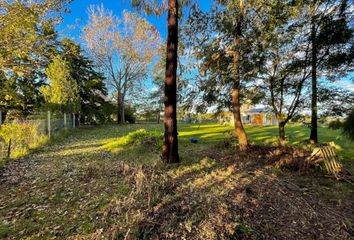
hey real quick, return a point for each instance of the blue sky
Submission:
(74, 21)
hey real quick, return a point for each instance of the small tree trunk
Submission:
(170, 142)
(118, 109)
(122, 113)
(281, 133)
(158, 117)
(313, 136)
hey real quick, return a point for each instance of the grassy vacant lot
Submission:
(108, 182)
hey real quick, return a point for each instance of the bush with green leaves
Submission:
(336, 124)
(142, 136)
(23, 136)
(150, 139)
(129, 114)
(348, 125)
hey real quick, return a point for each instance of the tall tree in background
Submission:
(92, 90)
(313, 135)
(122, 48)
(27, 41)
(156, 97)
(27, 33)
(287, 52)
(62, 91)
(226, 55)
(332, 48)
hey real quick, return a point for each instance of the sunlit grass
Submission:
(205, 163)
(296, 134)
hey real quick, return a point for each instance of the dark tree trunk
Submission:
(120, 110)
(281, 133)
(240, 131)
(122, 113)
(170, 143)
(313, 136)
(158, 117)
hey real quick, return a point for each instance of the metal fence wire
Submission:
(19, 134)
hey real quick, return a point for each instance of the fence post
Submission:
(48, 124)
(9, 149)
(74, 121)
(65, 124)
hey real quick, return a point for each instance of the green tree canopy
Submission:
(62, 90)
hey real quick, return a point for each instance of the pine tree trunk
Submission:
(170, 143)
(313, 136)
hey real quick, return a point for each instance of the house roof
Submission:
(258, 110)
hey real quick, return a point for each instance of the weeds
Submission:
(23, 136)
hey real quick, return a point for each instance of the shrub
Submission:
(24, 135)
(142, 136)
(129, 114)
(348, 125)
(336, 124)
(147, 138)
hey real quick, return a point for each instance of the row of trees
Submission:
(274, 52)
(273, 48)
(38, 70)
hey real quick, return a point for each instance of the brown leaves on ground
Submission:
(94, 194)
(242, 198)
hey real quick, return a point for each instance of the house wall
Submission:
(258, 119)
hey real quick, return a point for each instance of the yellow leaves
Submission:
(130, 39)
(8, 97)
(63, 89)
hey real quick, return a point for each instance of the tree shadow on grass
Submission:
(240, 198)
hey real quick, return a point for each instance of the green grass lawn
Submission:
(95, 182)
(297, 135)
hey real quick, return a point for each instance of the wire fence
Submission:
(18, 135)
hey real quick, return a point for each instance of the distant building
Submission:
(250, 116)
(259, 117)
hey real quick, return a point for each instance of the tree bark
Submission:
(120, 110)
(122, 113)
(281, 133)
(170, 143)
(240, 131)
(158, 117)
(313, 135)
